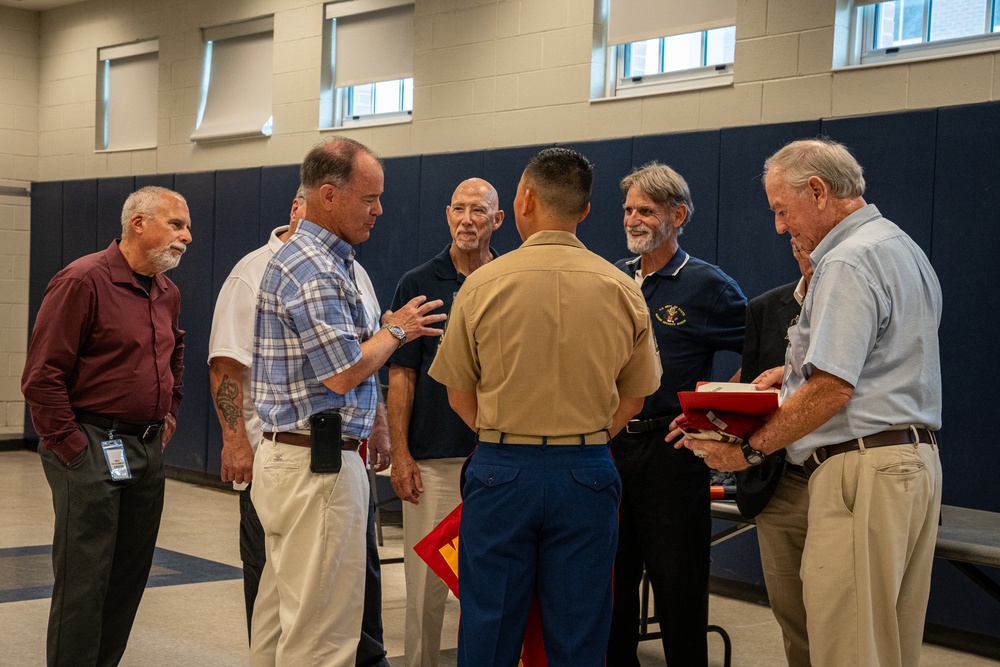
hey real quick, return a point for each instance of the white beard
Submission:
(653, 239)
(164, 259)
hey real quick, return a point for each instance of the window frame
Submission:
(336, 103)
(696, 78)
(225, 123)
(864, 53)
(148, 50)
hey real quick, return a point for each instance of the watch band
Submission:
(753, 456)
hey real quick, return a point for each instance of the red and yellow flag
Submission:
(439, 549)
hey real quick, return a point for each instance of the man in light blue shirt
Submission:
(861, 399)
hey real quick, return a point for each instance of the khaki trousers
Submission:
(311, 597)
(866, 564)
(781, 535)
(426, 594)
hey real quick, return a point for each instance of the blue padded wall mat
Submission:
(79, 231)
(695, 156)
(111, 196)
(439, 176)
(190, 447)
(45, 256)
(749, 248)
(162, 180)
(237, 220)
(965, 250)
(277, 190)
(602, 231)
(503, 168)
(391, 249)
(897, 153)
(46, 241)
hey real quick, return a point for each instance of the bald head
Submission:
(473, 215)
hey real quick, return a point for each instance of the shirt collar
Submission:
(842, 230)
(444, 267)
(273, 242)
(121, 272)
(800, 291)
(337, 245)
(553, 237)
(671, 268)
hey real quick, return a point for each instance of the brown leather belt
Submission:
(899, 436)
(302, 440)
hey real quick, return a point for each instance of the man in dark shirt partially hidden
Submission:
(103, 380)
(429, 441)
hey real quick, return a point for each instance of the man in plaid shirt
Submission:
(315, 351)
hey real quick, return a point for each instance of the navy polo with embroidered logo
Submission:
(693, 318)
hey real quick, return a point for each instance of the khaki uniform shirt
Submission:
(548, 337)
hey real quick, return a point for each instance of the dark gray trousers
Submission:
(102, 548)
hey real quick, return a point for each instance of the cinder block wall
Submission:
(488, 73)
(19, 82)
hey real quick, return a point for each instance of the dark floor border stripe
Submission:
(170, 568)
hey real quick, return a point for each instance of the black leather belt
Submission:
(145, 431)
(647, 425)
(899, 436)
(302, 440)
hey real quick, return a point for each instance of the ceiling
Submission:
(38, 5)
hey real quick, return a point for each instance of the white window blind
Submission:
(374, 40)
(637, 20)
(127, 115)
(236, 96)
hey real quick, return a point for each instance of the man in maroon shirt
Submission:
(103, 381)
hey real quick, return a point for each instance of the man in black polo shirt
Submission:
(429, 441)
(664, 521)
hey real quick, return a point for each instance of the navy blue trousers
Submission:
(539, 519)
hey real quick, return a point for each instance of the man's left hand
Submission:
(722, 456)
(169, 426)
(379, 449)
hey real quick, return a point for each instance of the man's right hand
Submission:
(237, 461)
(405, 478)
(414, 318)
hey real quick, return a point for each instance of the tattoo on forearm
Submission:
(225, 402)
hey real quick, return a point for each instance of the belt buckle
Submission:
(151, 431)
(628, 425)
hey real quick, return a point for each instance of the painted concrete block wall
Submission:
(488, 73)
(19, 79)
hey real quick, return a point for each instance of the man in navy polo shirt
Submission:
(696, 311)
(429, 440)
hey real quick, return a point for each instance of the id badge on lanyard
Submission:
(114, 454)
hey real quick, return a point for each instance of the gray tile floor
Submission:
(203, 624)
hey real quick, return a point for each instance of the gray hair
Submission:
(824, 158)
(300, 194)
(144, 200)
(332, 161)
(663, 185)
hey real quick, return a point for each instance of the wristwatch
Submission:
(752, 456)
(396, 331)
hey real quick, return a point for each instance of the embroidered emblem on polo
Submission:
(672, 316)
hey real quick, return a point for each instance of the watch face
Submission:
(752, 456)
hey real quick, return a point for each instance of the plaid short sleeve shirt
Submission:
(309, 326)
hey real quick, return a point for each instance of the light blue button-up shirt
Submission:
(871, 318)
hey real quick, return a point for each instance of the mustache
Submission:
(180, 247)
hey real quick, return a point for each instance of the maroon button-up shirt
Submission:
(101, 344)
